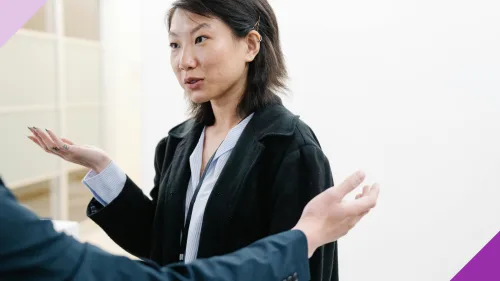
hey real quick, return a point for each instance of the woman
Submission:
(242, 168)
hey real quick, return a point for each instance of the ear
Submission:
(253, 45)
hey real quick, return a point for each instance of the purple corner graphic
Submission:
(485, 266)
(14, 14)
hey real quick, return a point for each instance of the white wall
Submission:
(121, 40)
(408, 91)
(413, 98)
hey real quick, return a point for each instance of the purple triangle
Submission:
(14, 14)
(485, 266)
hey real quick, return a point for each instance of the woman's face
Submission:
(208, 61)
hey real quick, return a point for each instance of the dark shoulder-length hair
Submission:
(267, 72)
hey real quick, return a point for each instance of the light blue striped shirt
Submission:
(108, 184)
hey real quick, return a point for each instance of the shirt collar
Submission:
(232, 137)
(273, 120)
(227, 144)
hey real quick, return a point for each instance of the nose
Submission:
(187, 60)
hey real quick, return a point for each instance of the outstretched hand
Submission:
(84, 155)
(327, 217)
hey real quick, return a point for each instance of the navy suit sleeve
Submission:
(30, 249)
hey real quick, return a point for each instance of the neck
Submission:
(225, 108)
(226, 113)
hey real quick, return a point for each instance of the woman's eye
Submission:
(174, 45)
(200, 39)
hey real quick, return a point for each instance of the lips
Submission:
(193, 83)
(191, 80)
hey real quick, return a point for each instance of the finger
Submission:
(67, 141)
(374, 192)
(363, 204)
(43, 137)
(52, 142)
(51, 145)
(363, 214)
(32, 138)
(366, 188)
(363, 193)
(34, 134)
(60, 146)
(53, 151)
(39, 139)
(348, 185)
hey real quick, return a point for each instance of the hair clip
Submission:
(256, 28)
(257, 24)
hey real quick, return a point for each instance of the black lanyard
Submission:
(185, 229)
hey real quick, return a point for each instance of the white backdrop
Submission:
(408, 91)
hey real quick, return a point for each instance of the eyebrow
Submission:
(203, 25)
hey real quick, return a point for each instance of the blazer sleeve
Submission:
(303, 174)
(32, 250)
(128, 219)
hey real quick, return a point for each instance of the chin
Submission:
(197, 96)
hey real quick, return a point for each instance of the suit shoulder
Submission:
(182, 129)
(304, 135)
(282, 127)
(174, 136)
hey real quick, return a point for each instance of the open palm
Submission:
(328, 216)
(88, 156)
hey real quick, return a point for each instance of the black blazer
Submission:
(30, 249)
(276, 167)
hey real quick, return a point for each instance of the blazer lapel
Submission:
(225, 193)
(176, 186)
(273, 120)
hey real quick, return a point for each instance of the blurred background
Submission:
(408, 91)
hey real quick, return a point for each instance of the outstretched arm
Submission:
(30, 248)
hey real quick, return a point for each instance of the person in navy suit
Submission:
(30, 248)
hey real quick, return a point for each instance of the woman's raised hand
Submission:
(85, 155)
